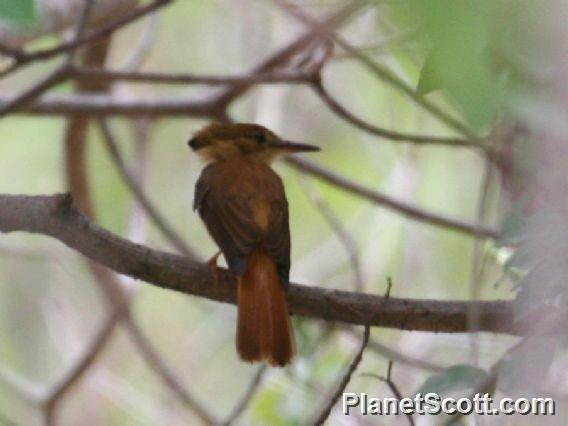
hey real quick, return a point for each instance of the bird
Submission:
(243, 205)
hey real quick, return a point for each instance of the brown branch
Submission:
(106, 105)
(379, 71)
(326, 411)
(24, 57)
(12, 52)
(284, 55)
(55, 216)
(341, 231)
(376, 197)
(394, 355)
(173, 78)
(34, 91)
(348, 116)
(158, 365)
(159, 221)
(60, 74)
(115, 295)
(386, 351)
(76, 371)
(393, 387)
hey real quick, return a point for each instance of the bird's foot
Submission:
(213, 267)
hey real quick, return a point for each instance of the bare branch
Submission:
(56, 217)
(76, 371)
(283, 56)
(394, 355)
(34, 91)
(376, 197)
(22, 58)
(158, 365)
(326, 411)
(208, 80)
(347, 115)
(161, 223)
(382, 72)
(342, 233)
(393, 387)
(95, 105)
(97, 33)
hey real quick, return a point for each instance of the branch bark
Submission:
(56, 216)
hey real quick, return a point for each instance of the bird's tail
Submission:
(264, 331)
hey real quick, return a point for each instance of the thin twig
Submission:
(382, 73)
(80, 28)
(342, 233)
(388, 290)
(97, 33)
(283, 56)
(98, 105)
(23, 58)
(386, 201)
(387, 352)
(160, 367)
(154, 214)
(347, 115)
(326, 411)
(208, 80)
(12, 52)
(76, 371)
(393, 387)
(35, 90)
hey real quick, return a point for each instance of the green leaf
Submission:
(428, 82)
(20, 12)
(461, 40)
(455, 378)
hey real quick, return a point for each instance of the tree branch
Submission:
(55, 216)
(151, 210)
(376, 197)
(345, 379)
(84, 73)
(106, 105)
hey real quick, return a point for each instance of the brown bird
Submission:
(242, 202)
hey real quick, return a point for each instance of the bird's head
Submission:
(222, 141)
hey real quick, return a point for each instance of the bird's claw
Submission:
(213, 267)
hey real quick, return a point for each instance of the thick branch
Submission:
(55, 216)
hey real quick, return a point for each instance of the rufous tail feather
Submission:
(264, 331)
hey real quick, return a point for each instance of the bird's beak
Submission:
(292, 147)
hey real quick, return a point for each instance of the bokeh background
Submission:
(493, 65)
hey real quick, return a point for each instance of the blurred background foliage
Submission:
(486, 62)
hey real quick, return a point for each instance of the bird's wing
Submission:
(229, 220)
(277, 237)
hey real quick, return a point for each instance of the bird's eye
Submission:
(196, 144)
(260, 138)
